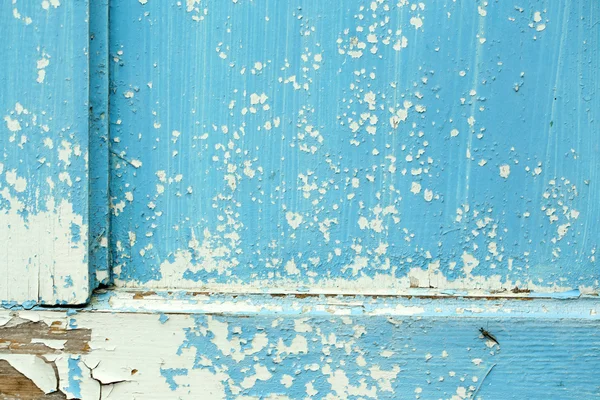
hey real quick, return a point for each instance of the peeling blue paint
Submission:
(44, 151)
(76, 232)
(353, 357)
(75, 376)
(288, 144)
(55, 109)
(28, 305)
(430, 149)
(170, 373)
(68, 282)
(71, 311)
(349, 347)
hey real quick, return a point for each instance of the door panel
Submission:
(44, 152)
(355, 146)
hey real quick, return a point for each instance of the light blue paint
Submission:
(75, 376)
(68, 282)
(547, 348)
(75, 232)
(71, 311)
(28, 305)
(534, 103)
(60, 102)
(10, 304)
(527, 82)
(571, 294)
(170, 373)
(432, 357)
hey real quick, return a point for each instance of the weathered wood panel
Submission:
(44, 152)
(355, 146)
(160, 346)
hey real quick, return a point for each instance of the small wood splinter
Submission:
(489, 336)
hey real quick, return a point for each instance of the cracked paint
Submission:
(250, 347)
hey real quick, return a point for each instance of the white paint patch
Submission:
(299, 345)
(209, 255)
(416, 22)
(291, 269)
(428, 195)
(17, 182)
(505, 171)
(65, 152)
(261, 373)
(384, 378)
(13, 125)
(294, 219)
(51, 253)
(42, 63)
(562, 230)
(56, 344)
(469, 262)
(415, 187)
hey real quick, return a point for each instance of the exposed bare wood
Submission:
(21, 336)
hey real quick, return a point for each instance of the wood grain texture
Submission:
(14, 385)
(29, 337)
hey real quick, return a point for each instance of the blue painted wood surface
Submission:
(44, 152)
(309, 146)
(197, 346)
(362, 358)
(360, 145)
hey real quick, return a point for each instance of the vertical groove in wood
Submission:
(99, 144)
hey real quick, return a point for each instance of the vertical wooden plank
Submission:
(44, 152)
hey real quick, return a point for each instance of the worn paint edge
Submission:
(515, 292)
(182, 302)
